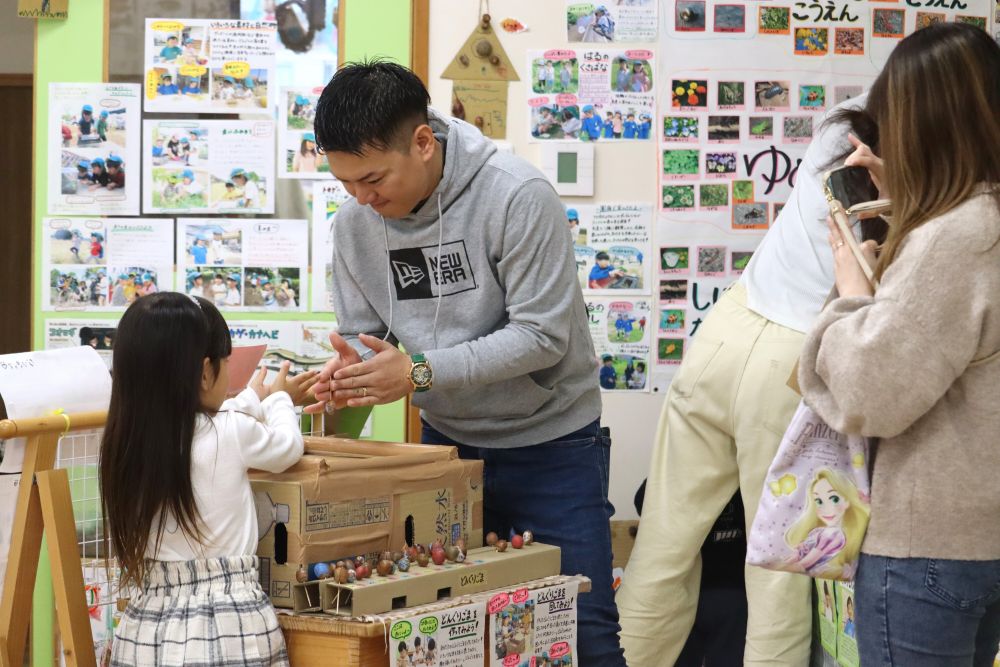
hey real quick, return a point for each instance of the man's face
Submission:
(392, 182)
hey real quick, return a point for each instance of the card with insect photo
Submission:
(675, 260)
(750, 216)
(812, 97)
(738, 261)
(730, 96)
(669, 351)
(772, 95)
(689, 16)
(673, 321)
(711, 261)
(924, 19)
(844, 93)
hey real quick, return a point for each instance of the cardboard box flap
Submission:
(368, 448)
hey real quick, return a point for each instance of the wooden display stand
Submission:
(44, 503)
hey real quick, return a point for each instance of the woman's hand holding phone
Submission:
(864, 157)
(848, 274)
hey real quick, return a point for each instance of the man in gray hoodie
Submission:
(460, 254)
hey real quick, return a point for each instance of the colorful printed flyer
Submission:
(307, 40)
(208, 166)
(94, 148)
(827, 615)
(596, 23)
(244, 264)
(328, 196)
(847, 634)
(449, 638)
(105, 263)
(305, 344)
(621, 330)
(612, 246)
(591, 94)
(297, 154)
(532, 627)
(209, 66)
(99, 334)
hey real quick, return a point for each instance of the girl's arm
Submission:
(268, 431)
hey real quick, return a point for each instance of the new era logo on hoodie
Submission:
(416, 273)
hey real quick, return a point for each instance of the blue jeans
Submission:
(913, 612)
(559, 491)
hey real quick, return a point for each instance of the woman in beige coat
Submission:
(917, 363)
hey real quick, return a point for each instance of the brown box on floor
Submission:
(351, 497)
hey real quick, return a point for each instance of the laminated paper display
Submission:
(93, 166)
(531, 626)
(448, 638)
(621, 331)
(209, 66)
(328, 196)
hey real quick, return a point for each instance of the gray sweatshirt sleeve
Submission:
(537, 272)
(354, 314)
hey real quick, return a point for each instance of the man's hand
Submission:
(380, 380)
(346, 356)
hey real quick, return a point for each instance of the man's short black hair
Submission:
(367, 105)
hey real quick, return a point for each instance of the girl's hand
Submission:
(848, 275)
(863, 157)
(257, 383)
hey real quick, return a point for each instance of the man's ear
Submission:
(424, 142)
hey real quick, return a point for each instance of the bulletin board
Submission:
(105, 39)
(715, 167)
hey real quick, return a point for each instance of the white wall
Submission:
(17, 42)
(623, 172)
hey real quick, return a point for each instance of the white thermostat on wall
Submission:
(570, 168)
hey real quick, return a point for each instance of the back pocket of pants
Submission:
(964, 584)
(696, 361)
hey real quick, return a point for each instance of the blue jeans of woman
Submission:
(916, 612)
(559, 491)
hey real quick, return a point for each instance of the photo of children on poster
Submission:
(448, 638)
(93, 143)
(612, 246)
(105, 264)
(534, 627)
(209, 66)
(621, 331)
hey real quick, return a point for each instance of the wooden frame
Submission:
(44, 504)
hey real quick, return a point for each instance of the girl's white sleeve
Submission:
(272, 439)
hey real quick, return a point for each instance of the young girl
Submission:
(306, 159)
(173, 475)
(827, 538)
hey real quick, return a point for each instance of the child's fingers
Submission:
(283, 373)
(259, 376)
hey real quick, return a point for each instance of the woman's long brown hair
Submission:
(145, 469)
(939, 128)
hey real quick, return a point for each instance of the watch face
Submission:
(421, 375)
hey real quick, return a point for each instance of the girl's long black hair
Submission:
(145, 469)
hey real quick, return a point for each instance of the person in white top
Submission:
(722, 421)
(179, 510)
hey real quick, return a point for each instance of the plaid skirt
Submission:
(200, 613)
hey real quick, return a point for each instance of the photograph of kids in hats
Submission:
(248, 92)
(93, 136)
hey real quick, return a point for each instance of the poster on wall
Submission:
(74, 332)
(449, 638)
(532, 627)
(209, 66)
(297, 154)
(307, 38)
(591, 94)
(612, 21)
(208, 166)
(612, 246)
(93, 144)
(306, 345)
(105, 263)
(621, 329)
(244, 264)
(732, 136)
(328, 196)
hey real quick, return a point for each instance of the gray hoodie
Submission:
(510, 349)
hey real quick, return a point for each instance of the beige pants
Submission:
(724, 415)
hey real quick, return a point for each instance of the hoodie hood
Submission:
(466, 153)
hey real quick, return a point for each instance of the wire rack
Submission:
(78, 453)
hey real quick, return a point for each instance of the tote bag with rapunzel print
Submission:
(814, 508)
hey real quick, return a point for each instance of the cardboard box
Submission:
(346, 498)
(483, 569)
